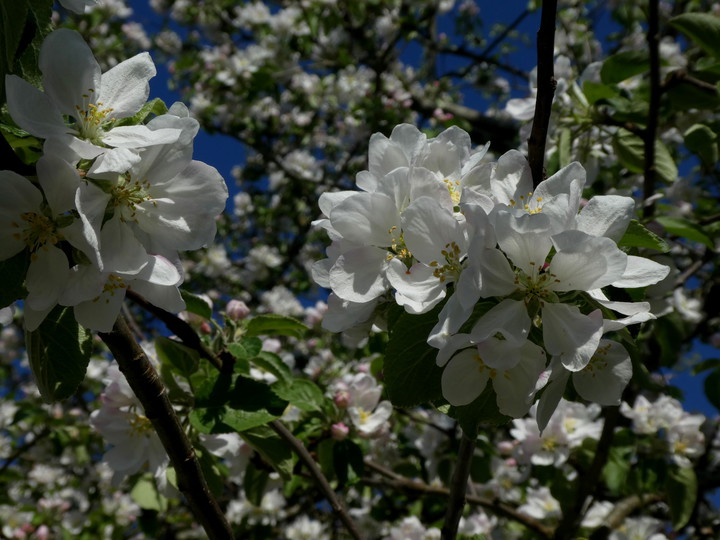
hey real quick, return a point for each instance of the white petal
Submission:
(497, 278)
(139, 136)
(641, 272)
(559, 196)
(32, 109)
(70, 71)
(368, 219)
(59, 181)
(19, 196)
(330, 200)
(342, 315)
(464, 378)
(159, 271)
(509, 317)
(121, 252)
(428, 230)
(606, 215)
(101, 313)
(167, 297)
(46, 278)
(552, 393)
(125, 87)
(418, 290)
(569, 334)
(384, 155)
(515, 388)
(524, 238)
(358, 275)
(606, 376)
(585, 262)
(512, 177)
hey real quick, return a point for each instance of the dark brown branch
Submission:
(458, 487)
(681, 76)
(572, 516)
(546, 84)
(499, 508)
(318, 476)
(653, 42)
(148, 388)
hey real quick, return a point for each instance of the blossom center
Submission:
(455, 190)
(37, 230)
(128, 194)
(140, 426)
(527, 204)
(112, 284)
(91, 118)
(452, 267)
(398, 248)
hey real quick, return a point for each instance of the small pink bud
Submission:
(342, 398)
(505, 447)
(237, 310)
(339, 431)
(205, 328)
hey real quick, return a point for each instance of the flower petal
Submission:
(641, 272)
(464, 378)
(606, 376)
(569, 334)
(358, 275)
(606, 215)
(125, 87)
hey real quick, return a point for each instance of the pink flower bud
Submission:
(342, 398)
(205, 328)
(505, 447)
(339, 431)
(237, 310)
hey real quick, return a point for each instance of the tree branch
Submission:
(148, 388)
(458, 487)
(318, 476)
(654, 106)
(546, 84)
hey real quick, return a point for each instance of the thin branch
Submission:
(653, 42)
(20, 450)
(499, 508)
(622, 510)
(680, 76)
(148, 388)
(318, 476)
(588, 482)
(546, 84)
(502, 35)
(458, 487)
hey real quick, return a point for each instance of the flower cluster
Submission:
(115, 199)
(521, 270)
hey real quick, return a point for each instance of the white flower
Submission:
(367, 413)
(686, 440)
(541, 504)
(410, 528)
(649, 417)
(74, 87)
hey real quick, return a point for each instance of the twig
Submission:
(148, 388)
(399, 482)
(620, 511)
(502, 35)
(19, 451)
(546, 84)
(319, 477)
(458, 486)
(572, 516)
(654, 106)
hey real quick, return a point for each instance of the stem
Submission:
(319, 477)
(654, 107)
(458, 486)
(148, 388)
(546, 84)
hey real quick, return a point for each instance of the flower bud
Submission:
(339, 431)
(237, 310)
(342, 398)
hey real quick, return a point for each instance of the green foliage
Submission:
(630, 150)
(685, 229)
(681, 488)
(275, 325)
(302, 393)
(182, 359)
(274, 450)
(272, 363)
(702, 140)
(411, 374)
(196, 304)
(146, 494)
(623, 65)
(13, 272)
(702, 28)
(59, 352)
(638, 236)
(154, 107)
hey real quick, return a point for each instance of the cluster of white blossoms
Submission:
(433, 220)
(113, 202)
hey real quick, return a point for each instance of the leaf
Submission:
(59, 352)
(483, 410)
(246, 348)
(272, 448)
(272, 325)
(411, 375)
(616, 469)
(13, 16)
(637, 235)
(272, 363)
(154, 107)
(302, 393)
(681, 490)
(685, 229)
(623, 65)
(13, 272)
(712, 388)
(347, 456)
(631, 152)
(702, 28)
(182, 359)
(196, 304)
(565, 147)
(254, 482)
(701, 140)
(594, 92)
(146, 495)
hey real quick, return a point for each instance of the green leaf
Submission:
(227, 404)
(155, 107)
(623, 65)
(681, 490)
(272, 325)
(12, 16)
(246, 348)
(347, 456)
(146, 495)
(272, 448)
(59, 352)
(325, 453)
(254, 482)
(637, 235)
(196, 304)
(630, 150)
(616, 469)
(13, 272)
(701, 140)
(482, 411)
(565, 147)
(210, 471)
(411, 375)
(302, 393)
(685, 229)
(594, 92)
(272, 363)
(702, 28)
(712, 388)
(182, 359)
